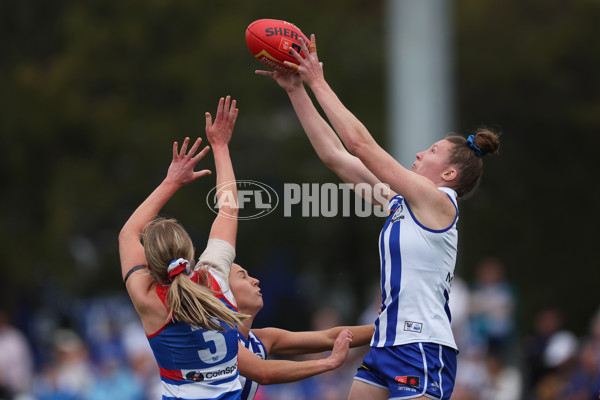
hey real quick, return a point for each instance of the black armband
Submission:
(132, 270)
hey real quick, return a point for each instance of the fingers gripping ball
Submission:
(270, 41)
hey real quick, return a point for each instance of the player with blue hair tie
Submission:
(413, 353)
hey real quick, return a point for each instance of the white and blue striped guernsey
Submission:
(417, 268)
(255, 345)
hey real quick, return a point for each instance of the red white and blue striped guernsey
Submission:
(417, 268)
(196, 363)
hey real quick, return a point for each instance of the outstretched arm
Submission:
(220, 250)
(268, 372)
(323, 138)
(355, 135)
(219, 134)
(282, 342)
(181, 172)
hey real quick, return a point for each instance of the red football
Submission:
(270, 41)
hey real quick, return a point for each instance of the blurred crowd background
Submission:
(102, 352)
(94, 93)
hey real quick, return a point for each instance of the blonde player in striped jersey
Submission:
(189, 321)
(188, 313)
(413, 353)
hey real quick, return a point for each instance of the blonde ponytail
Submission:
(166, 240)
(196, 304)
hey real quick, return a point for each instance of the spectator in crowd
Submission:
(583, 380)
(70, 373)
(502, 381)
(493, 304)
(113, 380)
(16, 360)
(547, 322)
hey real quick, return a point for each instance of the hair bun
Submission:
(487, 141)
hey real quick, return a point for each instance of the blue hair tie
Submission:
(472, 145)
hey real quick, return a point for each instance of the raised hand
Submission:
(310, 68)
(181, 171)
(219, 132)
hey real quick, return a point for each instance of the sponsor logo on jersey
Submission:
(398, 214)
(198, 376)
(195, 376)
(434, 387)
(225, 371)
(412, 326)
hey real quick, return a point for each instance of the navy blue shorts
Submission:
(411, 370)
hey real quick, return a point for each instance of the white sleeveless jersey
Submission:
(417, 268)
